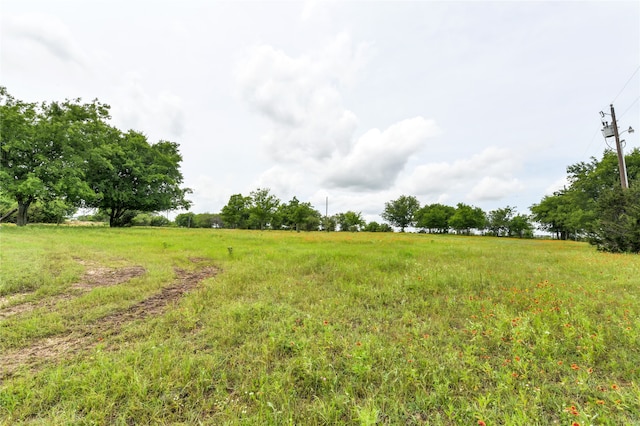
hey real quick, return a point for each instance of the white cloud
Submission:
(281, 181)
(134, 108)
(493, 166)
(494, 188)
(47, 32)
(378, 157)
(301, 97)
(308, 9)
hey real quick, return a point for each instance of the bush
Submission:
(618, 224)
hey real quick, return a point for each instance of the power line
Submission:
(625, 85)
(629, 107)
(591, 143)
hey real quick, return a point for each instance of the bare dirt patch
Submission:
(85, 337)
(92, 278)
(7, 300)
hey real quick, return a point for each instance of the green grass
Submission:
(316, 328)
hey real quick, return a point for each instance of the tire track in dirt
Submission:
(94, 277)
(87, 336)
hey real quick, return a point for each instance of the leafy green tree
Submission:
(8, 207)
(298, 216)
(52, 211)
(96, 216)
(263, 206)
(159, 220)
(328, 223)
(467, 218)
(435, 217)
(150, 219)
(128, 174)
(350, 221)
(207, 220)
(43, 150)
(185, 220)
(374, 226)
(499, 221)
(596, 176)
(141, 219)
(573, 212)
(618, 226)
(552, 215)
(235, 213)
(521, 226)
(401, 212)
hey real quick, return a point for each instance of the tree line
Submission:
(60, 156)
(56, 157)
(594, 207)
(262, 210)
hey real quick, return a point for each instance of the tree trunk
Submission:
(23, 207)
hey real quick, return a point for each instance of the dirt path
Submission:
(87, 336)
(92, 278)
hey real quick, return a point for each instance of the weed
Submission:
(318, 328)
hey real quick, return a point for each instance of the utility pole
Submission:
(326, 214)
(621, 164)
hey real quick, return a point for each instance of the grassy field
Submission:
(177, 326)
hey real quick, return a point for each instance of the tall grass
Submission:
(337, 328)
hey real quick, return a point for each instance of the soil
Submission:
(93, 277)
(84, 337)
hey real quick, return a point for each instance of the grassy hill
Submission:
(166, 326)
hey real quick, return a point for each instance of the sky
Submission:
(346, 105)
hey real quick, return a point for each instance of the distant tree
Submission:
(328, 223)
(96, 216)
(263, 206)
(551, 215)
(435, 217)
(401, 212)
(298, 216)
(350, 221)
(499, 221)
(374, 226)
(159, 220)
(128, 174)
(185, 220)
(520, 226)
(150, 219)
(141, 219)
(567, 214)
(467, 218)
(207, 220)
(43, 150)
(236, 213)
